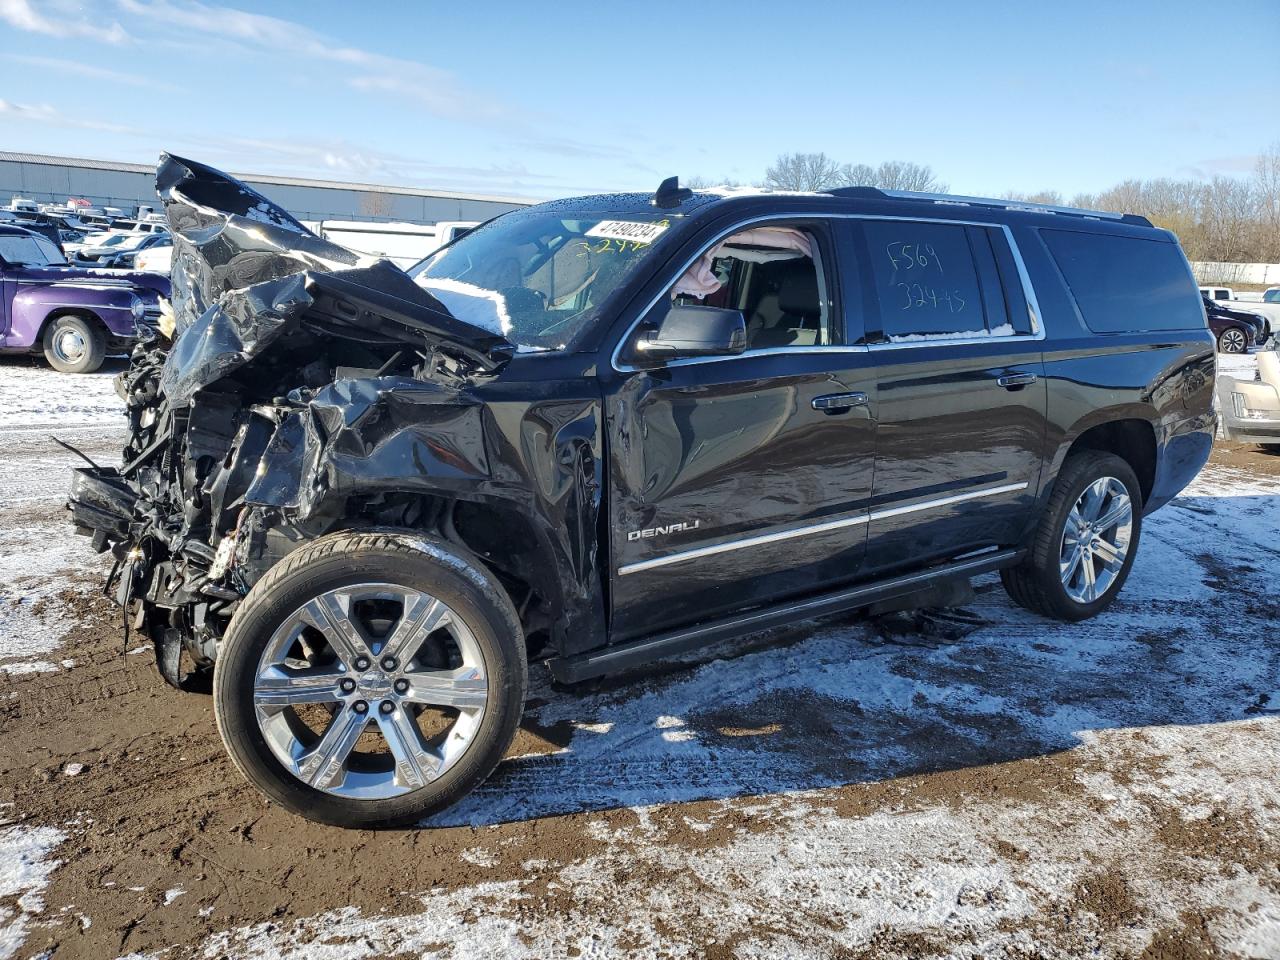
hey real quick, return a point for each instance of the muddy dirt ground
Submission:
(1007, 787)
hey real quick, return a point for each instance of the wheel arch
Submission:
(517, 547)
(1126, 432)
(84, 313)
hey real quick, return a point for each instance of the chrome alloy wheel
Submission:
(1096, 540)
(1233, 341)
(69, 345)
(372, 652)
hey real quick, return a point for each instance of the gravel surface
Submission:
(996, 786)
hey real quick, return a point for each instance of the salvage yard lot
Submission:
(843, 788)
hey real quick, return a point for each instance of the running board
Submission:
(594, 663)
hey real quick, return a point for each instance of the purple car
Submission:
(74, 315)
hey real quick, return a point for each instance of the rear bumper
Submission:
(1251, 431)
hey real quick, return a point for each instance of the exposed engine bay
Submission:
(295, 386)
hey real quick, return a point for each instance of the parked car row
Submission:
(90, 236)
(115, 248)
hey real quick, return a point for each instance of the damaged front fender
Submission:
(305, 389)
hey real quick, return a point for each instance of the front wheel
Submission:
(1085, 542)
(371, 679)
(1232, 340)
(74, 345)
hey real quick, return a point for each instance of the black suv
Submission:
(600, 431)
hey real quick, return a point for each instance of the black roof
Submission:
(868, 201)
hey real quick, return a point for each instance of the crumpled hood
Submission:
(246, 274)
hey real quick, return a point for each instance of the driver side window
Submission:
(774, 275)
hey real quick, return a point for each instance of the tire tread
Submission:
(1028, 582)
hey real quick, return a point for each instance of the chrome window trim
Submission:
(824, 527)
(1028, 292)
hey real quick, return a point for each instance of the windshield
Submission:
(30, 252)
(537, 277)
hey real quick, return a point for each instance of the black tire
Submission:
(1036, 582)
(91, 345)
(1233, 340)
(342, 559)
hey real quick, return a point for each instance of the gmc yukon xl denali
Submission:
(601, 431)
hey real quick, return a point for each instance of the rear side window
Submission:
(935, 280)
(1124, 284)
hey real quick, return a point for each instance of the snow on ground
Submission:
(32, 396)
(1165, 681)
(1164, 711)
(1242, 366)
(25, 867)
(807, 881)
(39, 554)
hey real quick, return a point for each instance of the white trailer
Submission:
(402, 243)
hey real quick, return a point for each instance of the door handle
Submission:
(1013, 381)
(833, 402)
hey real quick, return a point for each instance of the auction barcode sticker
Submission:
(627, 230)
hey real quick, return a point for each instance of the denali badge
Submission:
(663, 531)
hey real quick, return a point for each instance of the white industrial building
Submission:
(48, 179)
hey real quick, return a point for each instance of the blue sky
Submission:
(559, 98)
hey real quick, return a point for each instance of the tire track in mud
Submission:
(159, 807)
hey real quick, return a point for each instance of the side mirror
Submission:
(691, 331)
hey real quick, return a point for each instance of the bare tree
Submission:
(1266, 177)
(891, 175)
(1226, 214)
(904, 175)
(706, 183)
(802, 171)
(1051, 197)
(856, 175)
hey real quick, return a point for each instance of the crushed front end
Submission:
(290, 373)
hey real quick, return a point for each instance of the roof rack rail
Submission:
(875, 193)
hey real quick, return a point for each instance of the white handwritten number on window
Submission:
(921, 256)
(911, 256)
(919, 295)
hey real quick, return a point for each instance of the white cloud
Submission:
(431, 87)
(70, 23)
(80, 69)
(46, 113)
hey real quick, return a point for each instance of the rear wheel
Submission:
(74, 344)
(1233, 340)
(1086, 540)
(371, 679)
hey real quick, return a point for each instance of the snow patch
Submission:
(1004, 330)
(25, 869)
(486, 309)
(31, 397)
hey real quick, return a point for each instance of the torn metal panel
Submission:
(306, 390)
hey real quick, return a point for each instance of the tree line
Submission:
(1227, 219)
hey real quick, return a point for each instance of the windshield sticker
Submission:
(627, 230)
